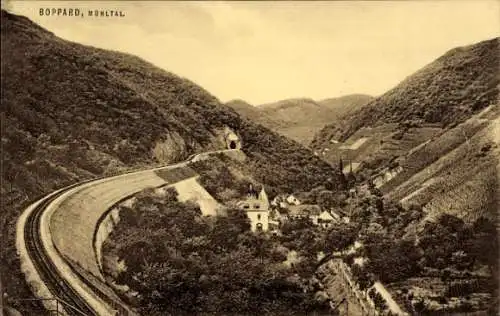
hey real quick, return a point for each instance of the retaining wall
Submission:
(364, 300)
(77, 214)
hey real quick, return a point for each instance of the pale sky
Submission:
(267, 51)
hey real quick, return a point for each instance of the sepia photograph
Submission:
(250, 158)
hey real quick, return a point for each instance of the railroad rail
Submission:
(53, 279)
(74, 304)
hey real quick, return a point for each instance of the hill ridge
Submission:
(299, 118)
(73, 112)
(435, 93)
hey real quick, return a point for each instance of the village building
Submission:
(326, 219)
(318, 217)
(310, 211)
(256, 207)
(279, 201)
(353, 192)
(292, 200)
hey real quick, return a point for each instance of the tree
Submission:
(351, 179)
(379, 301)
(440, 240)
(326, 200)
(342, 182)
(362, 277)
(239, 218)
(484, 236)
(392, 260)
(340, 236)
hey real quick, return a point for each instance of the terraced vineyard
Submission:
(374, 148)
(429, 153)
(462, 181)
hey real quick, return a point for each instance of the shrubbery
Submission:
(183, 263)
(117, 107)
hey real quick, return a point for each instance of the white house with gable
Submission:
(257, 208)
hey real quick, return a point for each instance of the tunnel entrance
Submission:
(231, 139)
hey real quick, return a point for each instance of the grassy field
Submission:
(424, 156)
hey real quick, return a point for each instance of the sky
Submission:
(262, 52)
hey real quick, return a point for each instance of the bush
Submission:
(183, 263)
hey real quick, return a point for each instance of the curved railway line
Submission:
(73, 303)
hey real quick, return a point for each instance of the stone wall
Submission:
(363, 300)
(105, 227)
(77, 215)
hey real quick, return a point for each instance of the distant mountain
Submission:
(447, 91)
(290, 110)
(346, 104)
(72, 112)
(431, 139)
(255, 115)
(299, 118)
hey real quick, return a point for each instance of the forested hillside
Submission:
(429, 141)
(447, 91)
(181, 263)
(346, 104)
(72, 112)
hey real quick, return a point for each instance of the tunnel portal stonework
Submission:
(232, 140)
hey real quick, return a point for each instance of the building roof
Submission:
(325, 215)
(304, 210)
(252, 204)
(255, 202)
(263, 196)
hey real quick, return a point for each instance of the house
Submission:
(310, 211)
(292, 200)
(326, 219)
(257, 208)
(274, 225)
(279, 201)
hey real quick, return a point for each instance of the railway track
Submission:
(71, 300)
(74, 304)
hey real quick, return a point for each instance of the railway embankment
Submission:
(76, 217)
(33, 279)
